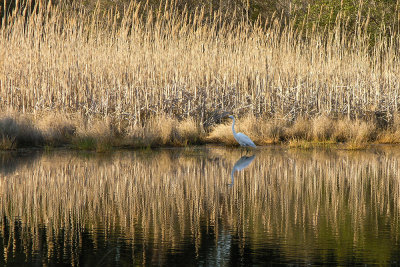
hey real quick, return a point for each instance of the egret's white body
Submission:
(241, 138)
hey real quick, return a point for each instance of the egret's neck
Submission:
(233, 126)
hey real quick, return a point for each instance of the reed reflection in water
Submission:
(171, 206)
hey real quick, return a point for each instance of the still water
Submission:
(208, 206)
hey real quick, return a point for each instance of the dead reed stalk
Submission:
(127, 69)
(190, 66)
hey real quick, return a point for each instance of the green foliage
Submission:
(92, 143)
(372, 17)
(85, 143)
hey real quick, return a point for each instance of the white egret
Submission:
(241, 138)
(242, 163)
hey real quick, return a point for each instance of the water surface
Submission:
(200, 206)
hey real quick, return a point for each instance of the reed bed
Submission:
(309, 200)
(125, 69)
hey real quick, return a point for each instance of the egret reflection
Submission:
(242, 163)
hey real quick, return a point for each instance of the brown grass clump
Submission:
(189, 132)
(362, 131)
(17, 131)
(300, 130)
(310, 133)
(222, 133)
(342, 130)
(355, 131)
(96, 135)
(322, 128)
(391, 135)
(162, 130)
(261, 131)
(58, 129)
(159, 130)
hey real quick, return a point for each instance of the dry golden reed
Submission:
(165, 197)
(127, 69)
(261, 131)
(305, 132)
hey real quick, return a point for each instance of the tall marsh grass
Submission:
(302, 201)
(126, 69)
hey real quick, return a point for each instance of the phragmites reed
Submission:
(128, 68)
